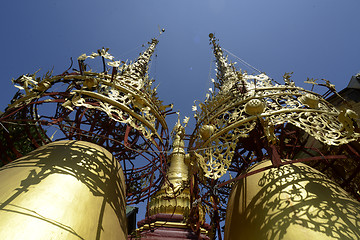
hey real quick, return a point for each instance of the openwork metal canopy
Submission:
(117, 108)
(247, 119)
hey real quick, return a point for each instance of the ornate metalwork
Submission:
(246, 119)
(117, 108)
(125, 95)
(174, 196)
(240, 101)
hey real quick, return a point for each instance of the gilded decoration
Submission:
(239, 100)
(123, 90)
(293, 201)
(101, 100)
(174, 195)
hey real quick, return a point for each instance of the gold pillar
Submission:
(291, 202)
(169, 208)
(63, 190)
(174, 196)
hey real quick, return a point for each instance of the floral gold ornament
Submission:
(254, 107)
(130, 88)
(310, 100)
(240, 99)
(117, 108)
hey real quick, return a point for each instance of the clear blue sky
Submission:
(312, 38)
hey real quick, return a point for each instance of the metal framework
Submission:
(247, 119)
(116, 108)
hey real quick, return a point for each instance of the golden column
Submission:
(174, 196)
(169, 208)
(63, 190)
(293, 201)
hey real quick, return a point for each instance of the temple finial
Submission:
(141, 65)
(226, 75)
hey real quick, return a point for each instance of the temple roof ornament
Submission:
(240, 100)
(124, 92)
(114, 105)
(174, 195)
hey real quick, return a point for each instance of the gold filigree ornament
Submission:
(310, 100)
(174, 195)
(124, 92)
(240, 100)
(254, 107)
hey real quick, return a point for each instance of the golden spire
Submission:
(226, 75)
(142, 62)
(172, 201)
(138, 70)
(174, 195)
(243, 100)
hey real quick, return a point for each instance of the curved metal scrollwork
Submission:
(117, 108)
(241, 101)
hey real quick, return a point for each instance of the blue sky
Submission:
(316, 39)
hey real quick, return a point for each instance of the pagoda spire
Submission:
(169, 209)
(139, 68)
(226, 74)
(142, 62)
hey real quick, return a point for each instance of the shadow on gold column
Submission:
(64, 190)
(291, 202)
